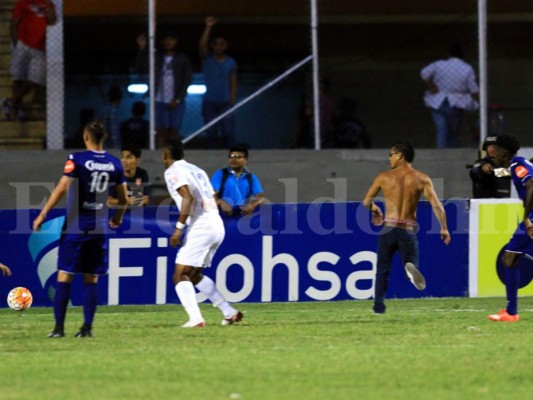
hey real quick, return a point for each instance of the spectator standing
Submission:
(238, 191)
(220, 74)
(137, 181)
(29, 20)
(350, 132)
(489, 181)
(111, 115)
(173, 75)
(135, 131)
(451, 90)
(87, 177)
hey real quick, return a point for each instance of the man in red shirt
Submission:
(28, 63)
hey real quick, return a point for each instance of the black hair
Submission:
(175, 148)
(406, 149)
(135, 150)
(138, 108)
(114, 94)
(240, 148)
(456, 50)
(96, 131)
(509, 143)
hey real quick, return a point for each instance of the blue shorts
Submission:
(520, 242)
(82, 254)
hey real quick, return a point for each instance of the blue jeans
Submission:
(447, 121)
(166, 118)
(211, 110)
(391, 240)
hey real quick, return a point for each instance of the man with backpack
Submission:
(238, 191)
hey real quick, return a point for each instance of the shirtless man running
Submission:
(402, 187)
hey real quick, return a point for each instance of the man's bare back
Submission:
(402, 187)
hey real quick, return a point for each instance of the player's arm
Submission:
(122, 206)
(57, 194)
(5, 270)
(377, 214)
(187, 201)
(438, 210)
(528, 207)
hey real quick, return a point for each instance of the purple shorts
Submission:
(520, 242)
(82, 254)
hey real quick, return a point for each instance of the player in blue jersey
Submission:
(87, 178)
(521, 244)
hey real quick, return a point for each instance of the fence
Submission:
(371, 55)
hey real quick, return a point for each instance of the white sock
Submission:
(187, 296)
(207, 287)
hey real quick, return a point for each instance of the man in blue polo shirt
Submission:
(239, 191)
(220, 74)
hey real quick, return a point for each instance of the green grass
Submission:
(421, 349)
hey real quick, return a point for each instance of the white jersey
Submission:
(204, 211)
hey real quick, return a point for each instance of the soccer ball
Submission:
(19, 299)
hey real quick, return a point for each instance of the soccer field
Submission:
(421, 349)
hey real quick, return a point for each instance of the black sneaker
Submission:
(379, 308)
(56, 333)
(85, 331)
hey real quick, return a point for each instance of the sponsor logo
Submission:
(521, 171)
(69, 167)
(95, 166)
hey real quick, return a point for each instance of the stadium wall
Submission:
(288, 176)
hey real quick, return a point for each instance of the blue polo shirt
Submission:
(236, 190)
(217, 78)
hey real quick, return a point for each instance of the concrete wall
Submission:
(287, 175)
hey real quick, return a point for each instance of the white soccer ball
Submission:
(19, 299)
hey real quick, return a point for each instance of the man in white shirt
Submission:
(191, 189)
(451, 90)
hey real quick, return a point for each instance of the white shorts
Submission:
(28, 64)
(200, 246)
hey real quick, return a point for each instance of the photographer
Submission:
(488, 180)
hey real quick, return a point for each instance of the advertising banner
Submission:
(283, 252)
(493, 222)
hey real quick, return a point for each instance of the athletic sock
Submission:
(90, 302)
(187, 295)
(512, 280)
(61, 298)
(208, 287)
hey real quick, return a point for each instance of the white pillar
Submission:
(55, 78)
(483, 80)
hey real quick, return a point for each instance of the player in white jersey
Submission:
(191, 189)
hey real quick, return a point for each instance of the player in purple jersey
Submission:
(521, 244)
(86, 179)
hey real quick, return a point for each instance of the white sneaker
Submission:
(415, 276)
(231, 320)
(194, 324)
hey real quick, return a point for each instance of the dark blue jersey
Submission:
(94, 173)
(521, 172)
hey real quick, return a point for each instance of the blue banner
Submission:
(283, 252)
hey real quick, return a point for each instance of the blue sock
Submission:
(90, 302)
(512, 280)
(61, 298)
